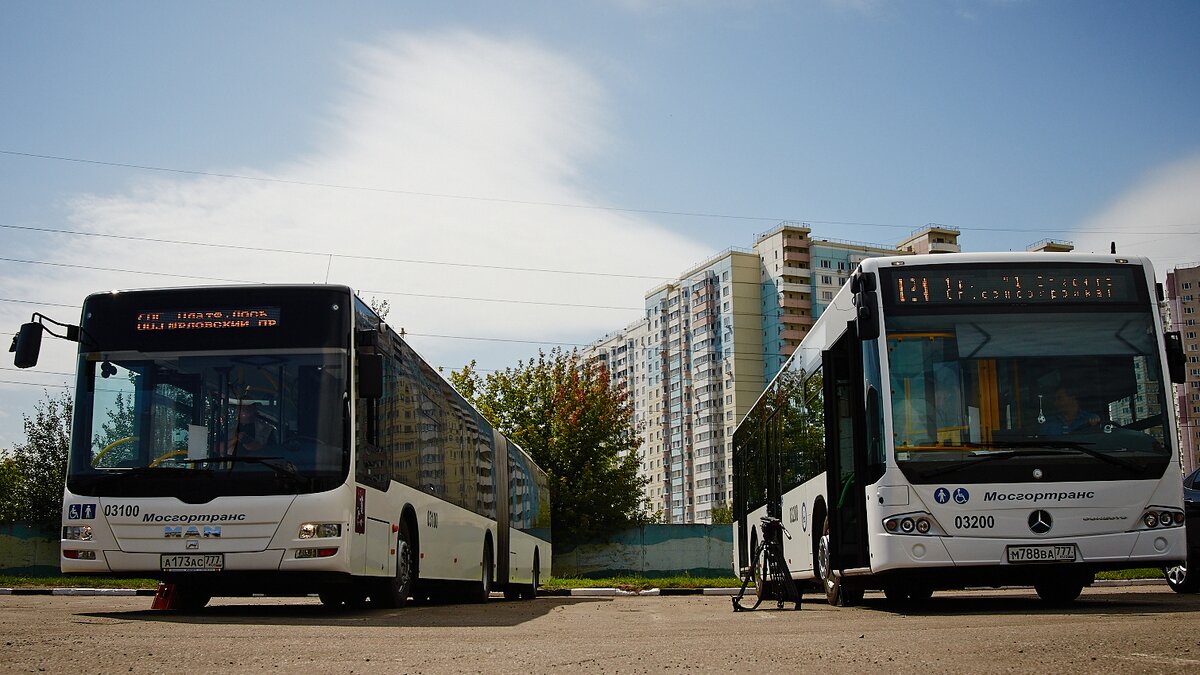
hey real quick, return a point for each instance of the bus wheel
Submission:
(837, 591)
(764, 588)
(1179, 580)
(483, 588)
(394, 591)
(530, 592)
(189, 598)
(1058, 590)
(897, 593)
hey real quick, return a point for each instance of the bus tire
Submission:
(394, 591)
(483, 588)
(837, 592)
(191, 598)
(525, 591)
(764, 588)
(1058, 590)
(530, 592)
(1179, 580)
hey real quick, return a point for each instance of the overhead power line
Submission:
(565, 205)
(366, 188)
(319, 254)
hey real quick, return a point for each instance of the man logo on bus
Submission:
(961, 496)
(941, 495)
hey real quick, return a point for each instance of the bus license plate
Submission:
(1041, 553)
(193, 562)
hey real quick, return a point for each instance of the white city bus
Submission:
(284, 440)
(970, 419)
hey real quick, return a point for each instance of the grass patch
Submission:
(60, 581)
(1142, 573)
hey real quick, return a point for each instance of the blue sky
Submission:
(453, 129)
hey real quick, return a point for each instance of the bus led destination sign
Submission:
(991, 286)
(208, 319)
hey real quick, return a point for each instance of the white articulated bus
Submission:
(284, 440)
(970, 419)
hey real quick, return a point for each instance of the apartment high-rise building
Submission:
(712, 339)
(1183, 303)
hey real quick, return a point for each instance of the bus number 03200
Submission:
(974, 522)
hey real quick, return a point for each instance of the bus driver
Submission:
(250, 432)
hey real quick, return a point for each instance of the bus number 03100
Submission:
(974, 522)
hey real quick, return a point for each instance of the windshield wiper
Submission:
(1032, 449)
(1090, 452)
(991, 457)
(113, 474)
(282, 469)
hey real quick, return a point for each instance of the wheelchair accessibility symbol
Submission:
(961, 496)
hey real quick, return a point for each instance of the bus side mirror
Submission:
(27, 344)
(370, 375)
(867, 315)
(1176, 360)
(866, 302)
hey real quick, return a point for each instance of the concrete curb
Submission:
(78, 591)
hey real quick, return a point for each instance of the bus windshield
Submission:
(198, 425)
(1028, 395)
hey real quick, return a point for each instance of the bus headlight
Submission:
(320, 530)
(77, 532)
(912, 523)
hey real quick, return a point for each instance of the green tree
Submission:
(564, 411)
(10, 481)
(721, 514)
(41, 460)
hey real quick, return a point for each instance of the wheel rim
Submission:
(823, 561)
(403, 564)
(1177, 575)
(487, 573)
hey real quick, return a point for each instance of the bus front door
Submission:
(843, 546)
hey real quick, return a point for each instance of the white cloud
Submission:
(450, 114)
(1160, 213)
(447, 114)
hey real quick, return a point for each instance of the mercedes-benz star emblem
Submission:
(1040, 522)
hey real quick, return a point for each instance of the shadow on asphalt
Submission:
(954, 604)
(251, 611)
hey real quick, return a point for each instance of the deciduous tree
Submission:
(41, 460)
(565, 412)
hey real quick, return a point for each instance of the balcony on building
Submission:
(796, 301)
(796, 257)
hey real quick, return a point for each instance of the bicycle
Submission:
(768, 570)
